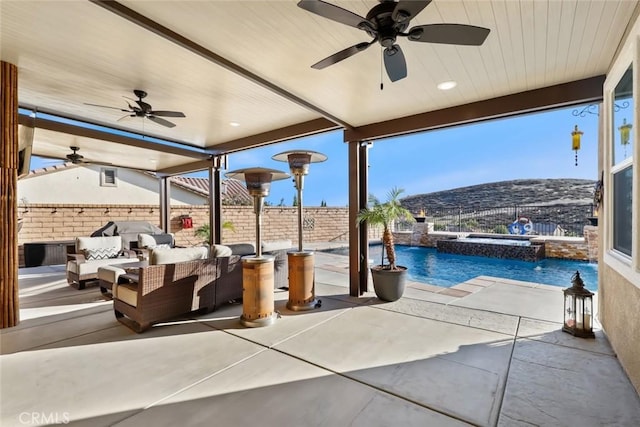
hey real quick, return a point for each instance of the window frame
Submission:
(625, 265)
(103, 177)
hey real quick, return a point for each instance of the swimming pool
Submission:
(430, 266)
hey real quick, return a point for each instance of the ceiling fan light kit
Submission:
(144, 110)
(387, 21)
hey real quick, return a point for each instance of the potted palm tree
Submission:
(388, 279)
(205, 229)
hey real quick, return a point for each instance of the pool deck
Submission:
(486, 352)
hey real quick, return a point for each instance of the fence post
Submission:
(459, 219)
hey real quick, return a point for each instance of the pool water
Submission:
(430, 266)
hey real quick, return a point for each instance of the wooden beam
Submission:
(286, 133)
(562, 95)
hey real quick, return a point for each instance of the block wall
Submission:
(44, 222)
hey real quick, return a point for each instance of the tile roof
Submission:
(234, 191)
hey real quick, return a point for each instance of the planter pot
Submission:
(389, 284)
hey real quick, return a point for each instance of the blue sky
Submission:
(529, 146)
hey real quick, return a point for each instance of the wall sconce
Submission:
(578, 309)
(301, 264)
(625, 133)
(576, 135)
(106, 211)
(81, 211)
(258, 308)
(130, 210)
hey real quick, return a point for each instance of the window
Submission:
(622, 164)
(108, 177)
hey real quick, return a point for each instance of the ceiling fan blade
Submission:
(466, 35)
(160, 121)
(406, 10)
(395, 63)
(125, 116)
(339, 56)
(105, 106)
(167, 113)
(335, 13)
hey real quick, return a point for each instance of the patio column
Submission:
(10, 315)
(358, 236)
(165, 204)
(215, 199)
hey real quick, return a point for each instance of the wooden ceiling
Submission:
(248, 62)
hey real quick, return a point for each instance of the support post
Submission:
(10, 307)
(358, 235)
(165, 204)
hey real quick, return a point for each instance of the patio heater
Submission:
(301, 263)
(258, 271)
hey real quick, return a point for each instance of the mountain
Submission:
(537, 192)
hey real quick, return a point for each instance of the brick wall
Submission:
(45, 222)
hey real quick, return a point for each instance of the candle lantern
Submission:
(301, 263)
(576, 135)
(578, 309)
(258, 307)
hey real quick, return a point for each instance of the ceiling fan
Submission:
(78, 159)
(142, 109)
(387, 21)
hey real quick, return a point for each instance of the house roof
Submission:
(234, 193)
(249, 63)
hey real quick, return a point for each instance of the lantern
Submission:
(625, 131)
(578, 309)
(575, 141)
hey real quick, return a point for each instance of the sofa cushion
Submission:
(126, 292)
(152, 241)
(242, 248)
(173, 255)
(107, 242)
(91, 267)
(276, 245)
(218, 251)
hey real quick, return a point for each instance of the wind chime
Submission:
(575, 141)
(625, 131)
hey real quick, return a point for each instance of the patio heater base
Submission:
(301, 282)
(258, 307)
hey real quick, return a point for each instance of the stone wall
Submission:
(46, 222)
(577, 248)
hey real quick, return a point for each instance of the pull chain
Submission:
(381, 59)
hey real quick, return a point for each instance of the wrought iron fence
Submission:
(552, 220)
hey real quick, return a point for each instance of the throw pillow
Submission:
(100, 253)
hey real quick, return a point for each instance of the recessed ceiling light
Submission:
(447, 85)
(234, 124)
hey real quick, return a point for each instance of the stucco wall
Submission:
(619, 312)
(132, 187)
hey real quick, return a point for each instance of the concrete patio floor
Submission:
(487, 352)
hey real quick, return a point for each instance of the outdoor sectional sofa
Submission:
(177, 281)
(163, 290)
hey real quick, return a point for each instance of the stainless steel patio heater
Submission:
(301, 263)
(258, 271)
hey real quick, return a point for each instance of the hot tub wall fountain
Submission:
(521, 249)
